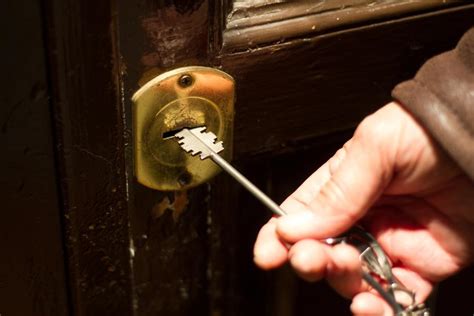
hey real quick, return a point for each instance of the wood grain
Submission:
(169, 229)
(32, 266)
(254, 26)
(86, 98)
(295, 91)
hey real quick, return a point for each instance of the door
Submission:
(306, 73)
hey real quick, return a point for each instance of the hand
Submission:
(395, 180)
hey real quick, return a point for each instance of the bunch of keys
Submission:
(377, 268)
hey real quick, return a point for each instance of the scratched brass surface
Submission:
(184, 97)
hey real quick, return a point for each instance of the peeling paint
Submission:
(177, 207)
(170, 34)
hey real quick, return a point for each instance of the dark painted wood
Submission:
(86, 96)
(301, 89)
(256, 25)
(32, 278)
(169, 230)
(248, 13)
(238, 287)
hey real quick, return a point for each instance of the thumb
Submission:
(349, 183)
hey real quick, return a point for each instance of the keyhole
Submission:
(170, 134)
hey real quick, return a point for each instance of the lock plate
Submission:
(184, 97)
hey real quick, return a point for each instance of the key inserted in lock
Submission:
(184, 97)
(198, 142)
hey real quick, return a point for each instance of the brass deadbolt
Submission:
(184, 97)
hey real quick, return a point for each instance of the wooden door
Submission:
(306, 73)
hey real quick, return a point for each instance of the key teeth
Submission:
(203, 146)
(179, 135)
(200, 129)
(220, 146)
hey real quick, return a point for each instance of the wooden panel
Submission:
(301, 89)
(86, 94)
(32, 278)
(251, 24)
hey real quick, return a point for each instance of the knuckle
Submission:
(336, 160)
(374, 130)
(338, 201)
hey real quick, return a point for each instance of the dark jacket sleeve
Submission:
(441, 97)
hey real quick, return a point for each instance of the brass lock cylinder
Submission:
(184, 97)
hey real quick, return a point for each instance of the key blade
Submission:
(196, 141)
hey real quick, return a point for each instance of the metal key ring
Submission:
(377, 272)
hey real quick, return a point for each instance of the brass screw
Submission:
(185, 81)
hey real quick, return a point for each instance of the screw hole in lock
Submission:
(185, 178)
(185, 81)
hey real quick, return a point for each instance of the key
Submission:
(196, 141)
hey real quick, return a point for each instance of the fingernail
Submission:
(266, 258)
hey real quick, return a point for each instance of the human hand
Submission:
(395, 180)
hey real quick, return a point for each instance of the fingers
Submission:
(340, 264)
(370, 304)
(313, 260)
(344, 275)
(269, 251)
(310, 258)
(420, 238)
(413, 282)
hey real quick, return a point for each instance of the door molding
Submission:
(255, 26)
